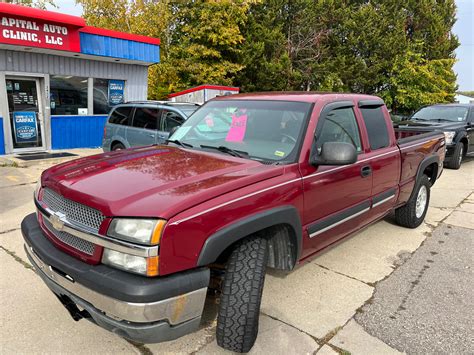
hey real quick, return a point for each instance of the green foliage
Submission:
(400, 50)
(415, 81)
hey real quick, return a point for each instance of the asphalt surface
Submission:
(426, 306)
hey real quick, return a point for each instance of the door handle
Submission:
(365, 171)
(151, 135)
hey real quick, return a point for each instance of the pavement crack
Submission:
(318, 341)
(209, 338)
(9, 230)
(22, 184)
(17, 258)
(142, 348)
(371, 284)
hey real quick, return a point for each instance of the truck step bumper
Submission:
(143, 332)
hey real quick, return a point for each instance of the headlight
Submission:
(449, 136)
(142, 231)
(131, 263)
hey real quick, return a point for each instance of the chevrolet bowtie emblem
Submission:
(57, 220)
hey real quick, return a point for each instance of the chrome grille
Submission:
(74, 212)
(82, 245)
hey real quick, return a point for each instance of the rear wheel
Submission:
(456, 160)
(118, 146)
(239, 309)
(413, 213)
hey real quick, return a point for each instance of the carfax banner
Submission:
(25, 126)
(116, 92)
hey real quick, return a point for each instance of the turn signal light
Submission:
(152, 266)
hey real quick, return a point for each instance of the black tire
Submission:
(239, 309)
(406, 215)
(118, 146)
(455, 162)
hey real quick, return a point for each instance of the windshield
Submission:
(441, 113)
(260, 130)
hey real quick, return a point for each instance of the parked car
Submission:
(457, 123)
(140, 123)
(130, 239)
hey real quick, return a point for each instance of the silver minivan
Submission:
(143, 123)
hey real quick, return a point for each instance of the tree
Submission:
(416, 81)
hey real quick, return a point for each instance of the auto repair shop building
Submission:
(59, 78)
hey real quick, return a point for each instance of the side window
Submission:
(169, 120)
(376, 127)
(146, 118)
(121, 116)
(340, 125)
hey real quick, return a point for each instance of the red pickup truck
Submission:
(131, 239)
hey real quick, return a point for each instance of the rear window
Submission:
(145, 118)
(376, 127)
(121, 116)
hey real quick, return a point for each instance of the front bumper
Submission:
(159, 312)
(449, 153)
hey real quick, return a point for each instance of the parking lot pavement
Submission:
(310, 310)
(426, 306)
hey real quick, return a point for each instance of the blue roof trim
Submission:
(119, 48)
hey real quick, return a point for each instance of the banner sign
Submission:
(116, 92)
(25, 125)
(24, 32)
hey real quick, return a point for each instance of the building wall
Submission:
(62, 132)
(195, 96)
(135, 75)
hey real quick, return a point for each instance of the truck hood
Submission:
(158, 181)
(432, 125)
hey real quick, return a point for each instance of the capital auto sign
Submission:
(36, 33)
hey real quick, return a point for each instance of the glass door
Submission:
(26, 114)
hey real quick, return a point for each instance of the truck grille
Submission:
(82, 245)
(74, 212)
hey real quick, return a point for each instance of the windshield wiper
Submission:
(227, 150)
(177, 142)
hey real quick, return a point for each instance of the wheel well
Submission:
(282, 247)
(432, 172)
(114, 143)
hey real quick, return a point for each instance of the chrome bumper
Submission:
(174, 310)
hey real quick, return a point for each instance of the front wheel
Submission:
(239, 309)
(456, 160)
(413, 213)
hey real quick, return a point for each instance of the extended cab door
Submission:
(383, 155)
(143, 130)
(336, 198)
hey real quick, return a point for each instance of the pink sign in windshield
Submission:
(237, 129)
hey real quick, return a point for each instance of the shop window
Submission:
(107, 94)
(68, 95)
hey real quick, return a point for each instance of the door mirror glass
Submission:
(335, 153)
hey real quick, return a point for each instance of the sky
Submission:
(464, 29)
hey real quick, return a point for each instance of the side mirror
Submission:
(335, 153)
(174, 129)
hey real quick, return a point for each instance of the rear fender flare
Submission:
(432, 159)
(217, 243)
